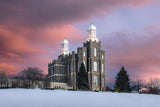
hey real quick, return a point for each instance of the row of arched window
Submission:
(95, 53)
(51, 71)
(95, 67)
(96, 81)
(69, 65)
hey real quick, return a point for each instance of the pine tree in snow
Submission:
(82, 78)
(122, 83)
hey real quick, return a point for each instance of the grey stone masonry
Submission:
(65, 68)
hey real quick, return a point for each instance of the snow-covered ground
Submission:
(62, 98)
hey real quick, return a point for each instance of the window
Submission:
(95, 66)
(52, 78)
(84, 63)
(95, 52)
(51, 74)
(102, 56)
(102, 68)
(95, 81)
(71, 66)
(68, 68)
(102, 82)
(78, 66)
(84, 54)
(51, 71)
(62, 71)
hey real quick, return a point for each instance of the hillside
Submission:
(63, 98)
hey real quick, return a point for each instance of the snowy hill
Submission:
(62, 98)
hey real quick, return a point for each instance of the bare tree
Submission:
(18, 82)
(46, 82)
(136, 85)
(3, 80)
(30, 75)
(154, 85)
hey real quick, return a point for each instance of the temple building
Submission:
(62, 71)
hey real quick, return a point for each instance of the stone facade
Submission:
(64, 69)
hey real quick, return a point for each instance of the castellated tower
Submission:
(62, 72)
(94, 60)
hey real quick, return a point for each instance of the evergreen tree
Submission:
(122, 83)
(82, 78)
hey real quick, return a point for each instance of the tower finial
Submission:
(64, 45)
(92, 33)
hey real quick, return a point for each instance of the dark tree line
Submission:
(123, 84)
(3, 80)
(46, 82)
(27, 78)
(154, 85)
(136, 85)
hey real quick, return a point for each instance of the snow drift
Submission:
(64, 98)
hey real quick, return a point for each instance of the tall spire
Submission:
(64, 45)
(92, 31)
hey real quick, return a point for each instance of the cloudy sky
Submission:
(31, 32)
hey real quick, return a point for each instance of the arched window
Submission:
(95, 81)
(102, 56)
(71, 66)
(62, 71)
(102, 82)
(78, 66)
(67, 68)
(51, 71)
(51, 74)
(95, 66)
(95, 52)
(84, 54)
(84, 63)
(102, 68)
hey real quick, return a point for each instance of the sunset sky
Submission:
(31, 32)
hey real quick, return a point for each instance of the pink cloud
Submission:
(55, 12)
(9, 69)
(27, 48)
(137, 52)
(31, 30)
